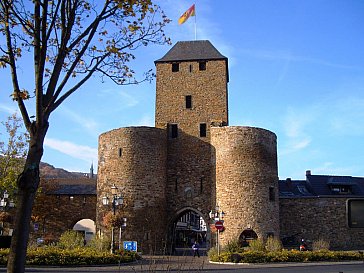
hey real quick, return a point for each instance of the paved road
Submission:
(191, 265)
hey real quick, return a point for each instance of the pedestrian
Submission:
(195, 248)
(303, 245)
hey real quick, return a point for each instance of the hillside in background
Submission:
(49, 171)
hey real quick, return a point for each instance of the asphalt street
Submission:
(161, 264)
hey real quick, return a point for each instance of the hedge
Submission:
(287, 256)
(79, 256)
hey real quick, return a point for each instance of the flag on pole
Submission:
(187, 14)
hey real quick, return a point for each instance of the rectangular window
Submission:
(188, 102)
(175, 67)
(202, 66)
(355, 210)
(190, 68)
(203, 130)
(173, 133)
(201, 185)
(272, 195)
(120, 152)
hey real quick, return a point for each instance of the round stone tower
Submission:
(245, 160)
(134, 160)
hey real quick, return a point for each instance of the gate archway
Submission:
(186, 227)
(86, 227)
(247, 236)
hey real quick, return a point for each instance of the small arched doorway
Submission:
(187, 227)
(247, 236)
(86, 227)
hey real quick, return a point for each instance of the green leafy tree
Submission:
(68, 41)
(13, 151)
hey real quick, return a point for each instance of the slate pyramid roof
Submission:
(192, 51)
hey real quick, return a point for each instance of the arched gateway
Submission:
(188, 226)
(173, 174)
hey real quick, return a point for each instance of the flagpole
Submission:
(195, 22)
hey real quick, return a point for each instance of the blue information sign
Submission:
(130, 245)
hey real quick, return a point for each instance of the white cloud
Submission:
(81, 152)
(295, 125)
(8, 109)
(329, 168)
(145, 121)
(286, 55)
(345, 116)
(87, 123)
(118, 95)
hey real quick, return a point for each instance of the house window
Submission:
(355, 210)
(173, 132)
(120, 152)
(202, 66)
(188, 102)
(341, 189)
(203, 130)
(272, 195)
(190, 68)
(175, 67)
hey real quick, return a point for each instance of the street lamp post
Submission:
(117, 200)
(217, 216)
(5, 203)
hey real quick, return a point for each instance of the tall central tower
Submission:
(191, 94)
(173, 174)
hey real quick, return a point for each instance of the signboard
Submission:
(219, 225)
(130, 245)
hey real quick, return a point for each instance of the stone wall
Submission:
(245, 161)
(134, 160)
(189, 155)
(55, 214)
(318, 217)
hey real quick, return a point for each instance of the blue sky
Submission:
(296, 68)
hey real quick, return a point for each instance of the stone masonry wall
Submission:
(189, 155)
(55, 214)
(317, 217)
(246, 169)
(134, 160)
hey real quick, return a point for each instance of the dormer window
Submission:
(341, 189)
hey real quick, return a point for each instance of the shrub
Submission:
(287, 256)
(100, 243)
(256, 245)
(212, 254)
(273, 244)
(233, 246)
(4, 256)
(71, 239)
(320, 244)
(235, 258)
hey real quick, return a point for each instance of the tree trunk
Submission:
(28, 182)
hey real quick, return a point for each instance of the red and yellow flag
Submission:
(186, 15)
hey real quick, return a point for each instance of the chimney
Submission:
(308, 172)
(289, 182)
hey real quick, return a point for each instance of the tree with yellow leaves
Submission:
(68, 41)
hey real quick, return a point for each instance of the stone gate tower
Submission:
(191, 95)
(191, 161)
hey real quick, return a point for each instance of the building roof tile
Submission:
(192, 50)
